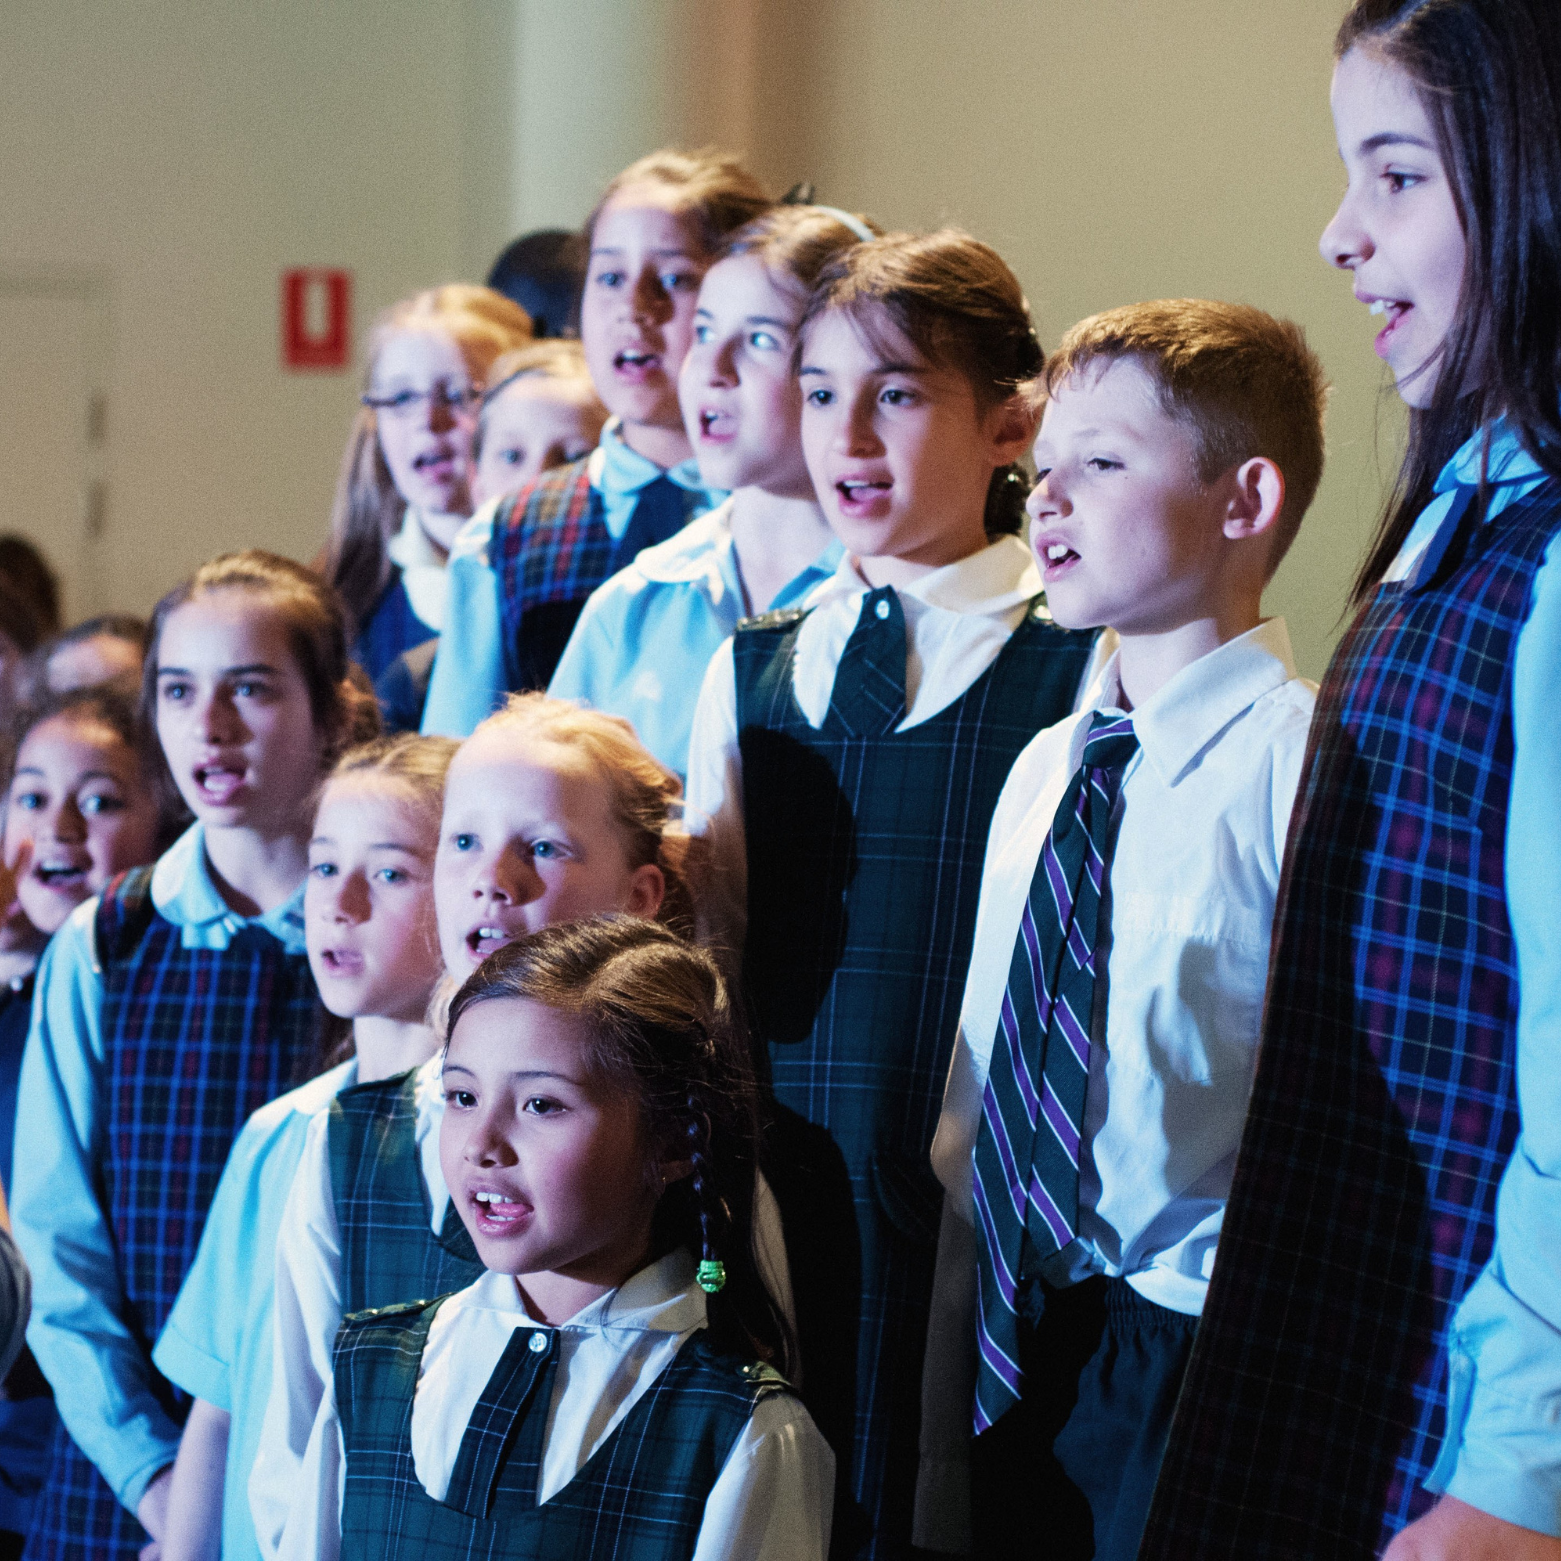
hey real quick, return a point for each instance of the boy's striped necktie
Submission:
(1027, 1150)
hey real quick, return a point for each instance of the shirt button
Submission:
(883, 609)
(538, 1343)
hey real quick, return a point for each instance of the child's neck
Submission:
(776, 536)
(554, 1296)
(387, 1046)
(254, 871)
(665, 445)
(1148, 660)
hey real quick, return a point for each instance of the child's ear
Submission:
(647, 889)
(1257, 497)
(1011, 425)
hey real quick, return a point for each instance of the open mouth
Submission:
(342, 962)
(1395, 310)
(636, 365)
(1057, 556)
(434, 463)
(858, 496)
(496, 1213)
(218, 784)
(61, 875)
(488, 939)
(716, 426)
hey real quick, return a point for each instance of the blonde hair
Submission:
(419, 764)
(367, 510)
(556, 358)
(646, 795)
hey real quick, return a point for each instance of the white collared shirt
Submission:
(424, 576)
(957, 621)
(1192, 880)
(773, 1498)
(296, 1473)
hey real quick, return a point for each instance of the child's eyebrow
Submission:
(1392, 138)
(664, 254)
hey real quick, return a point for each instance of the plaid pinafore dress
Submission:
(389, 1251)
(1384, 1109)
(551, 548)
(194, 1041)
(865, 847)
(640, 1497)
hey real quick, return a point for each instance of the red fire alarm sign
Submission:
(316, 318)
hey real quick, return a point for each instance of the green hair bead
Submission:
(711, 1275)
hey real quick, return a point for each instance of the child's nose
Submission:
(858, 434)
(219, 720)
(510, 877)
(723, 364)
(67, 823)
(649, 299)
(1344, 242)
(352, 898)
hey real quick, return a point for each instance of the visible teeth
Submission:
(1057, 550)
(492, 1197)
(1379, 307)
(490, 932)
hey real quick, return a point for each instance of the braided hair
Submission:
(661, 1027)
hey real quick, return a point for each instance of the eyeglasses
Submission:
(406, 403)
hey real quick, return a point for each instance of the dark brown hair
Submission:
(1489, 76)
(316, 632)
(23, 566)
(958, 303)
(660, 1022)
(710, 186)
(367, 510)
(1244, 383)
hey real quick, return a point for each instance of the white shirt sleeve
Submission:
(294, 1476)
(714, 808)
(774, 1497)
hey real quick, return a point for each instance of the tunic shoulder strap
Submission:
(124, 913)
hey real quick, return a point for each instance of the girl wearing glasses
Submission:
(404, 489)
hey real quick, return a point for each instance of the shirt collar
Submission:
(660, 1298)
(616, 470)
(999, 577)
(1196, 705)
(412, 547)
(184, 893)
(1509, 461)
(704, 549)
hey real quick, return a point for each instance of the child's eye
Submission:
(101, 802)
(819, 398)
(703, 334)
(548, 850)
(763, 341)
(680, 281)
(30, 800)
(512, 457)
(609, 279)
(1399, 182)
(896, 396)
(249, 688)
(464, 842)
(173, 692)
(461, 1099)
(391, 875)
(1103, 463)
(323, 869)
(542, 1106)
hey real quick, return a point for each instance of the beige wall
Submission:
(177, 154)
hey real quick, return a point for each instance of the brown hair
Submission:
(711, 186)
(367, 509)
(660, 1023)
(316, 632)
(1243, 382)
(795, 241)
(646, 794)
(958, 303)
(557, 358)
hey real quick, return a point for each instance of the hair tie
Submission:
(845, 219)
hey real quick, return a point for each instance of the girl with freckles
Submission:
(608, 1385)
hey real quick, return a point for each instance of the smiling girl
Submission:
(645, 638)
(521, 574)
(550, 813)
(374, 949)
(168, 1010)
(1388, 1293)
(845, 763)
(608, 1367)
(405, 486)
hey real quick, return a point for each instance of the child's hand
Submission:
(1454, 1531)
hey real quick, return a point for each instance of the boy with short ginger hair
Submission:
(1111, 1013)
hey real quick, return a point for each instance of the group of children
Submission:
(783, 1090)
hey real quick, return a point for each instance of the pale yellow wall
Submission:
(179, 153)
(1115, 150)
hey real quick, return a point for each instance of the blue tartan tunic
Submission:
(640, 1496)
(195, 1039)
(865, 849)
(389, 1252)
(1385, 1105)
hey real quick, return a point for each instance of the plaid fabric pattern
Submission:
(1027, 1151)
(194, 1041)
(640, 1497)
(388, 1247)
(865, 848)
(551, 548)
(1384, 1109)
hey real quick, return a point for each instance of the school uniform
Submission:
(1190, 874)
(217, 1342)
(163, 1020)
(644, 639)
(522, 569)
(369, 1222)
(411, 608)
(470, 1429)
(844, 766)
(1385, 1321)
(27, 1415)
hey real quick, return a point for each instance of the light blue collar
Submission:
(184, 893)
(1509, 461)
(623, 472)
